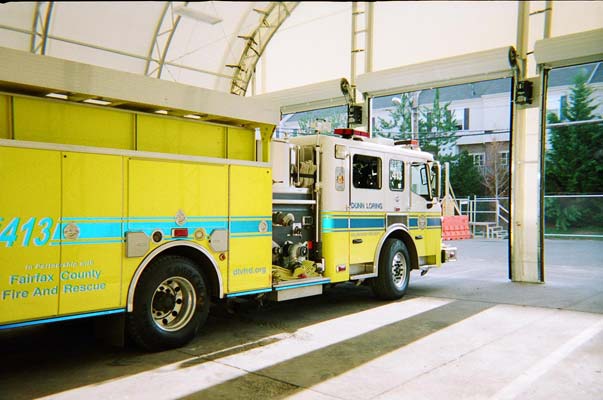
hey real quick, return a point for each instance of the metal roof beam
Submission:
(40, 26)
(162, 38)
(271, 19)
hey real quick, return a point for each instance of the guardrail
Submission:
(567, 216)
(488, 217)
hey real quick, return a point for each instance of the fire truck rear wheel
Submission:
(170, 304)
(394, 271)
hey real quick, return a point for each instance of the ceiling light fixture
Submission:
(162, 112)
(97, 102)
(192, 116)
(57, 96)
(196, 15)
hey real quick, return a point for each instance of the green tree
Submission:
(399, 123)
(437, 126)
(574, 162)
(465, 178)
(437, 129)
(436, 123)
(575, 159)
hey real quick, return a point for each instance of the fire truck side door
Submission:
(424, 219)
(366, 205)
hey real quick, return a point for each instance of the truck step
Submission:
(298, 288)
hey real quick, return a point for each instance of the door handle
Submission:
(357, 241)
(419, 237)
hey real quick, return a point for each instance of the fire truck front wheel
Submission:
(170, 304)
(394, 271)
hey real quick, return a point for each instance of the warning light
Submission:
(180, 232)
(348, 133)
(408, 143)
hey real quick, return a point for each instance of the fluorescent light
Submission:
(97, 102)
(196, 15)
(191, 116)
(57, 96)
(162, 112)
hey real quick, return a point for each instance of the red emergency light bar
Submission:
(348, 133)
(412, 143)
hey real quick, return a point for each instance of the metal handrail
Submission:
(469, 206)
(499, 216)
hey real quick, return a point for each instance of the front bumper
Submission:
(448, 253)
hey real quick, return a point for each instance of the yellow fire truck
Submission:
(122, 194)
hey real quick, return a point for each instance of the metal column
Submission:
(525, 261)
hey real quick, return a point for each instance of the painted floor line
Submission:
(523, 381)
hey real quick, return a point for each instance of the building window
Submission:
(504, 158)
(366, 172)
(466, 119)
(479, 159)
(396, 175)
(462, 123)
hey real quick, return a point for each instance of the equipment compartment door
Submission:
(30, 206)
(91, 232)
(250, 227)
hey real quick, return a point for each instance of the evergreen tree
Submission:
(437, 127)
(398, 125)
(465, 178)
(574, 163)
(575, 159)
(437, 124)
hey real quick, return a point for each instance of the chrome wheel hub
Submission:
(399, 270)
(173, 303)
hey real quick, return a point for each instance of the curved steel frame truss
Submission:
(39, 28)
(162, 38)
(271, 19)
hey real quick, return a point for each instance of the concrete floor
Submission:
(462, 332)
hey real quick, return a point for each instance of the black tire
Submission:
(394, 271)
(171, 303)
